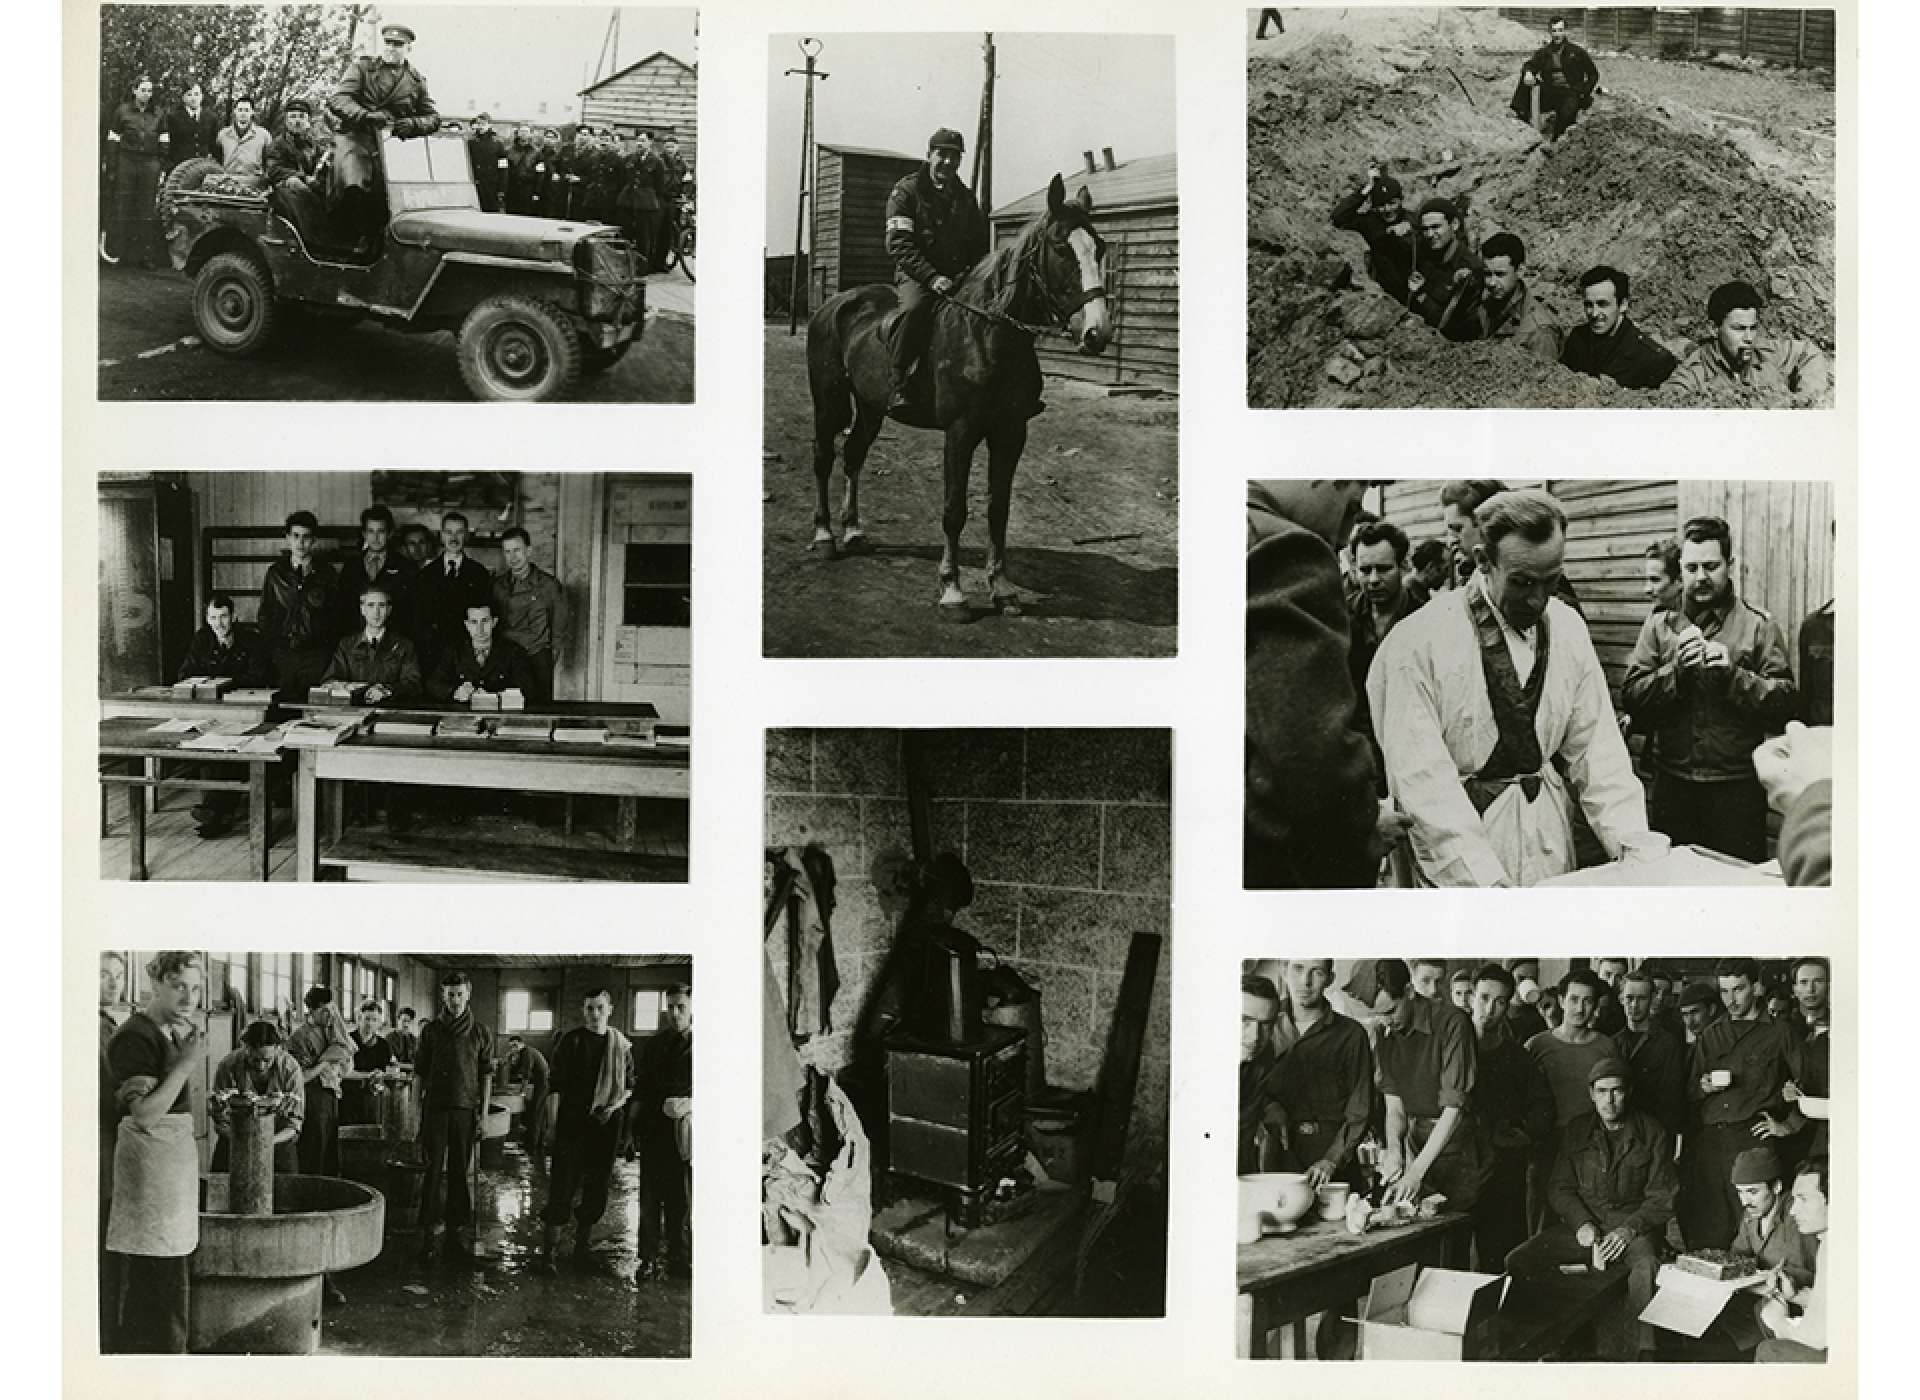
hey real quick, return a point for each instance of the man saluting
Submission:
(378, 92)
(935, 232)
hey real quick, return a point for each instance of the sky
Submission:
(1055, 95)
(511, 58)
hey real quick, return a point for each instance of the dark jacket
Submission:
(1629, 357)
(522, 186)
(1578, 75)
(484, 154)
(549, 174)
(663, 1070)
(299, 614)
(1780, 1246)
(1816, 665)
(1310, 809)
(506, 668)
(450, 1064)
(641, 175)
(1659, 1061)
(932, 232)
(1607, 1180)
(190, 137)
(395, 575)
(243, 656)
(1706, 725)
(440, 604)
(1450, 297)
(1522, 320)
(289, 155)
(373, 86)
(1806, 837)
(139, 131)
(392, 663)
(1389, 255)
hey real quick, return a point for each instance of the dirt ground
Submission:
(1095, 467)
(1684, 174)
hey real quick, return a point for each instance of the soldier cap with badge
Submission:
(946, 139)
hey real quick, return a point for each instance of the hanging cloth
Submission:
(1516, 756)
(156, 1188)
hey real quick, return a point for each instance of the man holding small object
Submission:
(261, 1067)
(377, 654)
(1769, 1234)
(483, 664)
(1323, 1081)
(1566, 77)
(1427, 1060)
(1736, 352)
(1444, 288)
(1612, 1190)
(1796, 1317)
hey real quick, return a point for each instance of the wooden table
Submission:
(509, 765)
(133, 704)
(133, 742)
(1286, 1279)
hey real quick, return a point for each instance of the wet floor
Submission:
(505, 1308)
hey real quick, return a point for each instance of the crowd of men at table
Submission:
(410, 620)
(600, 1098)
(1447, 706)
(1606, 1119)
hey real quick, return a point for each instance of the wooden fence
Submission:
(1799, 38)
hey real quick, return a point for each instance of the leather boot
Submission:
(549, 1241)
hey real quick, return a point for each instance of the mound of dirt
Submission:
(1680, 197)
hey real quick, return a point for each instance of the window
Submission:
(529, 1009)
(226, 981)
(647, 1005)
(273, 983)
(659, 586)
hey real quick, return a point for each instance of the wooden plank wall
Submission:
(1783, 544)
(1143, 256)
(1801, 38)
(850, 218)
(660, 95)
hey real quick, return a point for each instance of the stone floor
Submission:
(504, 1308)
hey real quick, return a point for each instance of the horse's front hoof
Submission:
(856, 542)
(824, 545)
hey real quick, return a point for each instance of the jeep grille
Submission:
(611, 285)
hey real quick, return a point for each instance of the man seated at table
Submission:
(224, 649)
(1797, 1317)
(1768, 1233)
(376, 654)
(482, 664)
(1612, 1195)
(260, 1066)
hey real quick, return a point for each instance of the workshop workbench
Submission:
(1323, 1267)
(132, 742)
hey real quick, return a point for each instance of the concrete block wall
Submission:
(1068, 837)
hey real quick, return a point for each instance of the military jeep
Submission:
(533, 303)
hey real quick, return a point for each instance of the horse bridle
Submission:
(1062, 309)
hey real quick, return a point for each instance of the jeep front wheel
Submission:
(519, 349)
(233, 305)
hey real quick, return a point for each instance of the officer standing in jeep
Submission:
(935, 232)
(383, 92)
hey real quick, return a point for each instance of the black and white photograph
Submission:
(1524, 207)
(419, 203)
(966, 1022)
(971, 346)
(395, 675)
(395, 1154)
(1550, 684)
(1535, 1159)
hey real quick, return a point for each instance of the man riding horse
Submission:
(974, 314)
(935, 232)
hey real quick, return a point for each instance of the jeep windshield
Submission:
(429, 172)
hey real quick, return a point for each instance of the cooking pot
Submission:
(1273, 1203)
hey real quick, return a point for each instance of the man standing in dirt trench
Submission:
(1566, 76)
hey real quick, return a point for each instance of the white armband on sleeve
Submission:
(899, 223)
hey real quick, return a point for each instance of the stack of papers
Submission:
(512, 699)
(463, 727)
(183, 689)
(421, 727)
(483, 700)
(235, 738)
(318, 733)
(250, 695)
(535, 729)
(573, 733)
(628, 730)
(675, 741)
(337, 693)
(177, 726)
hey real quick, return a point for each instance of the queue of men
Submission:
(1635, 1113)
(1426, 260)
(407, 620)
(1467, 733)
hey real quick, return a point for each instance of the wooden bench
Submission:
(1545, 1313)
(373, 855)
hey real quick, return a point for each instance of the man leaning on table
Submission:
(377, 654)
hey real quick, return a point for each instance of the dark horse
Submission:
(979, 379)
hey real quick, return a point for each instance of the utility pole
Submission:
(609, 43)
(803, 214)
(983, 138)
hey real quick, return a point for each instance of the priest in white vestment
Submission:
(1484, 698)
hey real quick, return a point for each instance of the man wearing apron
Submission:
(154, 1224)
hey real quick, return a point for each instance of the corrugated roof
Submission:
(616, 77)
(1149, 180)
(865, 151)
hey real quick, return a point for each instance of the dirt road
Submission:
(1094, 467)
(148, 350)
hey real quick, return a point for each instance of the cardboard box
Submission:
(1422, 1314)
(338, 693)
(212, 687)
(183, 689)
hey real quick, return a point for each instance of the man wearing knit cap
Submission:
(1699, 1008)
(1767, 1233)
(1612, 1195)
(1374, 211)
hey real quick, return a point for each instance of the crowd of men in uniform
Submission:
(598, 1098)
(412, 618)
(1426, 260)
(1451, 714)
(326, 181)
(1613, 1119)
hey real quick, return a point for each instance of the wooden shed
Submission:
(850, 190)
(1136, 207)
(1782, 543)
(658, 93)
(1801, 38)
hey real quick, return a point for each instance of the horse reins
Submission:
(1082, 298)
